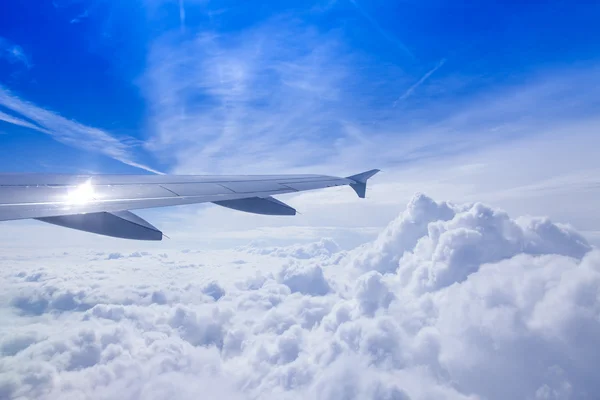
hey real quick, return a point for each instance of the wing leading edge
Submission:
(100, 203)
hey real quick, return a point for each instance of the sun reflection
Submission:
(82, 194)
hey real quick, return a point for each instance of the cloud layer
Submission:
(450, 301)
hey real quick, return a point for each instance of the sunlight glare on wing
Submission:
(82, 194)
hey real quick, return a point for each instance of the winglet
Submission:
(360, 185)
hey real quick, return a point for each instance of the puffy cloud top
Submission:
(433, 245)
(450, 301)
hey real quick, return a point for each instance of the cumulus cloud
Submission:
(450, 301)
(402, 234)
(304, 279)
(433, 245)
(372, 293)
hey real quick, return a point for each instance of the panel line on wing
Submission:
(225, 187)
(196, 189)
(166, 188)
(253, 187)
(300, 186)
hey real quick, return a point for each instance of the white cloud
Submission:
(372, 293)
(433, 245)
(302, 279)
(451, 301)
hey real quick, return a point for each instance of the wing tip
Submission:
(364, 176)
(360, 181)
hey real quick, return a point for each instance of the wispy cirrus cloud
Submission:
(283, 96)
(14, 53)
(411, 89)
(66, 131)
(85, 14)
(182, 16)
(280, 96)
(11, 119)
(250, 98)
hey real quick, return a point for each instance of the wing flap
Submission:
(259, 205)
(120, 224)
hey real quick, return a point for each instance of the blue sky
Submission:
(228, 87)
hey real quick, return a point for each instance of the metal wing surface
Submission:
(53, 198)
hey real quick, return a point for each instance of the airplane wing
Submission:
(100, 203)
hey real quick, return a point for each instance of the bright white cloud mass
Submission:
(450, 301)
